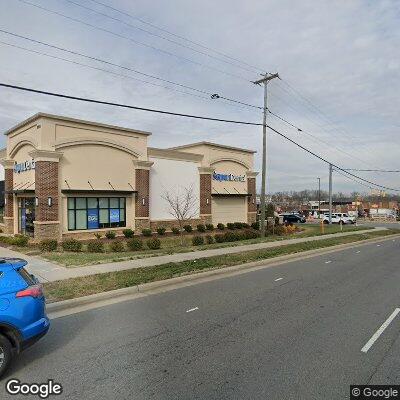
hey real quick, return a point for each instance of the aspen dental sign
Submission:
(228, 177)
(24, 166)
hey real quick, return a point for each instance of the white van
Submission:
(339, 218)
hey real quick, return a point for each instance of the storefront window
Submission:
(96, 213)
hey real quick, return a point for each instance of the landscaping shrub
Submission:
(230, 225)
(48, 245)
(245, 225)
(197, 240)
(110, 235)
(161, 230)
(134, 244)
(97, 235)
(117, 246)
(175, 230)
(95, 246)
(210, 227)
(20, 240)
(71, 245)
(210, 239)
(154, 244)
(5, 239)
(256, 226)
(188, 228)
(220, 226)
(231, 237)
(250, 234)
(201, 228)
(279, 230)
(219, 238)
(128, 233)
(238, 225)
(146, 232)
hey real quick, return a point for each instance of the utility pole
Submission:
(330, 193)
(266, 78)
(319, 197)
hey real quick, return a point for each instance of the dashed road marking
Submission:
(278, 279)
(358, 251)
(192, 309)
(328, 262)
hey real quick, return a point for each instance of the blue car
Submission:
(23, 318)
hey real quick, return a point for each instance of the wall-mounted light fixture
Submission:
(5, 200)
(207, 201)
(143, 201)
(49, 201)
(36, 201)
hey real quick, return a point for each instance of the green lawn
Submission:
(172, 244)
(77, 287)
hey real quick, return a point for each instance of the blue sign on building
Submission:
(23, 219)
(114, 215)
(93, 218)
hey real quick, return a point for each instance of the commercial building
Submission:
(71, 178)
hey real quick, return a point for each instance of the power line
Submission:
(155, 34)
(125, 68)
(372, 170)
(195, 117)
(256, 69)
(133, 40)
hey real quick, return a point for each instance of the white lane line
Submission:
(378, 245)
(278, 279)
(358, 251)
(328, 262)
(192, 309)
(379, 332)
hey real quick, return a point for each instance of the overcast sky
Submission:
(342, 57)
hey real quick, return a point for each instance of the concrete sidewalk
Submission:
(48, 272)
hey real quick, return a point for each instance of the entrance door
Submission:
(26, 215)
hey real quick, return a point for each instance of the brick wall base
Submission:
(207, 218)
(168, 224)
(8, 223)
(85, 235)
(141, 223)
(47, 231)
(251, 217)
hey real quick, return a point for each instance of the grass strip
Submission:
(83, 286)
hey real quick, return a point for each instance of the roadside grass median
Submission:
(83, 286)
(173, 245)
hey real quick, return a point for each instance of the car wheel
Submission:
(326, 221)
(5, 354)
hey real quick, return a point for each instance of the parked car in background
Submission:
(23, 318)
(339, 218)
(293, 218)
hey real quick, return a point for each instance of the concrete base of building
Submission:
(141, 223)
(251, 217)
(169, 223)
(206, 218)
(8, 225)
(47, 230)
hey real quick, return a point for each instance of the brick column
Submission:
(205, 194)
(142, 199)
(47, 217)
(8, 196)
(251, 199)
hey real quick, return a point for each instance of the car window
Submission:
(26, 276)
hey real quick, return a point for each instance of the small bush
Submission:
(20, 240)
(245, 225)
(219, 238)
(256, 226)
(48, 245)
(117, 246)
(188, 228)
(175, 230)
(231, 237)
(210, 239)
(201, 228)
(250, 234)
(110, 235)
(97, 235)
(95, 246)
(146, 232)
(279, 230)
(71, 245)
(238, 225)
(128, 233)
(154, 244)
(197, 240)
(230, 225)
(220, 226)
(210, 227)
(161, 230)
(134, 244)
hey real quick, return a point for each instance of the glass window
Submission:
(80, 203)
(103, 202)
(81, 219)
(114, 203)
(71, 220)
(71, 203)
(92, 202)
(104, 217)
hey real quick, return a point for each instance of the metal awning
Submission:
(231, 194)
(20, 191)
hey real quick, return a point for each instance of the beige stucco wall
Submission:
(24, 179)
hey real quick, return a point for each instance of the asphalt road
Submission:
(293, 331)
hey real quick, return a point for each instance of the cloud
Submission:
(341, 56)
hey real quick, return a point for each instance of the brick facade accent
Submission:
(47, 231)
(251, 217)
(141, 223)
(205, 194)
(8, 186)
(46, 185)
(143, 189)
(168, 224)
(251, 200)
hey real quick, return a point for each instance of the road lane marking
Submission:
(378, 245)
(278, 279)
(328, 262)
(359, 251)
(379, 332)
(192, 309)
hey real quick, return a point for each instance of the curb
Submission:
(97, 300)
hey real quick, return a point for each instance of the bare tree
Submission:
(182, 206)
